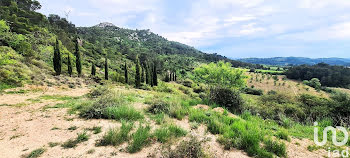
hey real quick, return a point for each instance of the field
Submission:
(280, 83)
(152, 122)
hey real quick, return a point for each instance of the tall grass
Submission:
(186, 149)
(36, 153)
(140, 139)
(72, 143)
(123, 112)
(167, 132)
(247, 134)
(115, 136)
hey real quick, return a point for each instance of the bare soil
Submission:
(31, 126)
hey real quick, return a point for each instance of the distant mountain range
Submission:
(283, 61)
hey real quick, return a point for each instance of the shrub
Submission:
(163, 87)
(99, 91)
(275, 147)
(167, 106)
(187, 83)
(283, 134)
(280, 98)
(116, 137)
(226, 97)
(140, 139)
(98, 108)
(159, 106)
(200, 88)
(253, 91)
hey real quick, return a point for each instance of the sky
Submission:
(233, 28)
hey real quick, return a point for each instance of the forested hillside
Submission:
(331, 76)
(28, 38)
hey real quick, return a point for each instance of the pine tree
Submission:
(155, 79)
(106, 68)
(126, 74)
(93, 69)
(57, 64)
(70, 70)
(138, 73)
(78, 58)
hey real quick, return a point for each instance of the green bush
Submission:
(283, 134)
(187, 83)
(99, 91)
(226, 97)
(275, 147)
(163, 87)
(110, 100)
(170, 106)
(252, 91)
(159, 106)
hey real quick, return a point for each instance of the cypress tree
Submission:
(147, 73)
(126, 74)
(57, 64)
(93, 69)
(138, 73)
(106, 68)
(78, 58)
(167, 79)
(142, 74)
(155, 79)
(150, 74)
(174, 73)
(70, 70)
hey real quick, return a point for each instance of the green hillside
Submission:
(27, 39)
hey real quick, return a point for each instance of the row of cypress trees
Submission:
(57, 60)
(170, 76)
(145, 73)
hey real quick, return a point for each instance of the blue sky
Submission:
(234, 28)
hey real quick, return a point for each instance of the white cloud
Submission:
(250, 29)
(124, 6)
(338, 31)
(215, 23)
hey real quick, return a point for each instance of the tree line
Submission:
(146, 73)
(330, 76)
